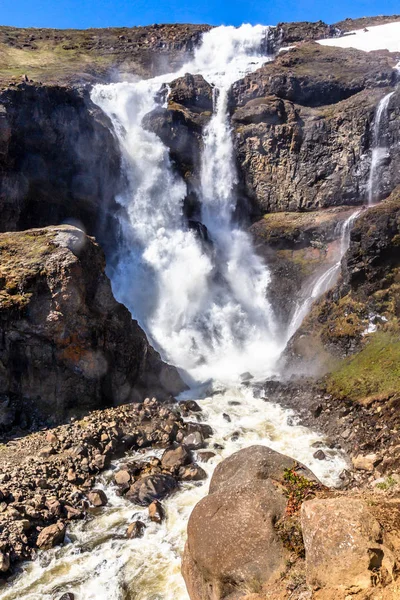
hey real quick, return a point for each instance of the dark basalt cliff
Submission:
(67, 346)
(58, 159)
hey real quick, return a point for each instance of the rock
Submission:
(67, 596)
(205, 455)
(194, 440)
(281, 117)
(343, 543)
(175, 457)
(122, 477)
(51, 536)
(226, 547)
(156, 512)
(97, 498)
(152, 487)
(135, 530)
(366, 463)
(4, 562)
(320, 455)
(89, 344)
(192, 473)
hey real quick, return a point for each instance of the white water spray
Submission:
(206, 311)
(379, 149)
(322, 283)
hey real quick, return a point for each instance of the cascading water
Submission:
(379, 148)
(325, 281)
(215, 323)
(208, 314)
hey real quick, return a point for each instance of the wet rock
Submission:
(192, 473)
(135, 530)
(194, 440)
(175, 457)
(122, 477)
(205, 455)
(153, 487)
(97, 498)
(156, 512)
(320, 455)
(51, 536)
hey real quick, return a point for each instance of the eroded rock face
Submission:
(232, 539)
(59, 160)
(66, 343)
(338, 322)
(303, 128)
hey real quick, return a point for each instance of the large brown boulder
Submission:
(344, 544)
(232, 539)
(66, 344)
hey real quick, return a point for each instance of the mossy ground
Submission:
(373, 373)
(22, 257)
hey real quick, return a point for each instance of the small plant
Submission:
(387, 484)
(297, 488)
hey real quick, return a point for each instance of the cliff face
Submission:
(303, 127)
(58, 159)
(67, 346)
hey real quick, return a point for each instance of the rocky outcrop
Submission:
(180, 126)
(352, 332)
(66, 344)
(93, 55)
(58, 159)
(227, 548)
(303, 127)
(297, 247)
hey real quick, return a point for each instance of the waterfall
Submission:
(206, 311)
(379, 149)
(322, 283)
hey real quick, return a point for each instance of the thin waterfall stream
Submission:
(207, 313)
(379, 149)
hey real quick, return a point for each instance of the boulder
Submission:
(51, 536)
(175, 457)
(156, 512)
(192, 473)
(343, 543)
(232, 540)
(122, 477)
(135, 530)
(66, 343)
(97, 498)
(152, 487)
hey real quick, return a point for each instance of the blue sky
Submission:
(110, 13)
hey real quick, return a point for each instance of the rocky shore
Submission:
(48, 478)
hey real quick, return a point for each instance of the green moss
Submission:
(373, 372)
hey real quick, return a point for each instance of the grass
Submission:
(372, 373)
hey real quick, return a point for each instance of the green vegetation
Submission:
(373, 372)
(297, 489)
(387, 484)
